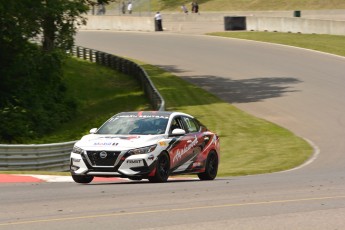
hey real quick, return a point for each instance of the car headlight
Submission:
(143, 150)
(78, 150)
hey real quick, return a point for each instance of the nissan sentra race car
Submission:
(146, 145)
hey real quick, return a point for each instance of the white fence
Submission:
(296, 25)
(119, 23)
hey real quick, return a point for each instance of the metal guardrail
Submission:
(55, 157)
(50, 157)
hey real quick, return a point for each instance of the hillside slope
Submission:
(240, 5)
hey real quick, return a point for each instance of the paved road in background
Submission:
(298, 89)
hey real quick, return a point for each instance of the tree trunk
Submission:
(49, 29)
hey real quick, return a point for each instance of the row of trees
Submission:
(34, 37)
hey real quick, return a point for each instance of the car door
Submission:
(185, 148)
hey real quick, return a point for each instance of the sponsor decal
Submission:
(144, 116)
(104, 143)
(185, 149)
(134, 161)
(129, 137)
(75, 160)
(162, 143)
(196, 164)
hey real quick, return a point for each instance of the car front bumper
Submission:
(131, 166)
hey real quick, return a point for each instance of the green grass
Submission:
(249, 5)
(326, 43)
(249, 145)
(100, 93)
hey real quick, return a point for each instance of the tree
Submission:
(59, 22)
(32, 95)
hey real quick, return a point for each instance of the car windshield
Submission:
(129, 124)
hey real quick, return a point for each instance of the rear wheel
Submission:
(162, 169)
(82, 179)
(211, 168)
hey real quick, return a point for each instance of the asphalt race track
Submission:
(299, 89)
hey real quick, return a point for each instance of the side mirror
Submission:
(92, 131)
(178, 132)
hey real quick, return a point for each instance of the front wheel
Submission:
(162, 169)
(82, 179)
(211, 168)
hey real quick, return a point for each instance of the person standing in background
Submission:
(158, 19)
(123, 8)
(195, 7)
(184, 9)
(101, 9)
(130, 7)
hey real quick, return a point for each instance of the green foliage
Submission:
(59, 22)
(173, 4)
(33, 97)
(55, 20)
(18, 20)
(113, 93)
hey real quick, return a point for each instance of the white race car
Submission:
(146, 145)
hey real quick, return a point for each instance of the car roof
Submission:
(162, 114)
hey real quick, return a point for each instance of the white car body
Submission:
(143, 154)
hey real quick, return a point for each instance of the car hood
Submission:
(117, 142)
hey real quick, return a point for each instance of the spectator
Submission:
(193, 7)
(158, 20)
(130, 7)
(101, 9)
(184, 9)
(123, 8)
(196, 7)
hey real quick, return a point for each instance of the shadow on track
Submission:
(246, 90)
(240, 91)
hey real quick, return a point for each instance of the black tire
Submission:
(82, 179)
(162, 169)
(211, 168)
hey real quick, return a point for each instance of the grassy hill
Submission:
(249, 5)
(100, 93)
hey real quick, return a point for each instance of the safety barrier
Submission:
(55, 157)
(119, 23)
(296, 25)
(49, 157)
